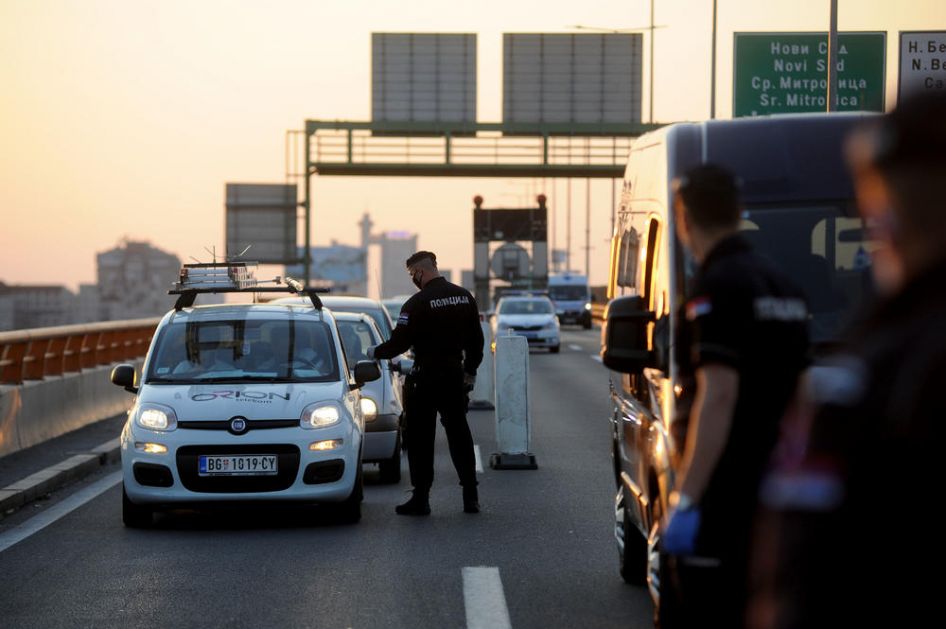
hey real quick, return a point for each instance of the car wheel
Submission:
(349, 511)
(135, 516)
(586, 324)
(655, 566)
(391, 468)
(632, 547)
(554, 349)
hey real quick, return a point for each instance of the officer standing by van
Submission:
(441, 323)
(747, 324)
(854, 527)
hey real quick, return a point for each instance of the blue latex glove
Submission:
(679, 537)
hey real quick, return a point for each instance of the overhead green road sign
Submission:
(781, 73)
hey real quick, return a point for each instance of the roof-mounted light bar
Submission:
(233, 277)
(222, 275)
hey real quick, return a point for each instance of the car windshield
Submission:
(568, 293)
(525, 307)
(357, 337)
(825, 251)
(196, 352)
(377, 315)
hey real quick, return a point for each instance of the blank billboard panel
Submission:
(263, 218)
(427, 77)
(586, 78)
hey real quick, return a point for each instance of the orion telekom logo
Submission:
(249, 396)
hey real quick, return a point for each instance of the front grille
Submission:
(251, 424)
(288, 463)
(527, 328)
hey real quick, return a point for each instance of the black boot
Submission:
(471, 502)
(419, 504)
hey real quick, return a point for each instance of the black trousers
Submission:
(432, 391)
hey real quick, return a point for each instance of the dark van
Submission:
(799, 211)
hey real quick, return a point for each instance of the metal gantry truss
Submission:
(445, 149)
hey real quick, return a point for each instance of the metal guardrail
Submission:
(40, 352)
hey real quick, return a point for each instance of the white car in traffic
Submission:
(244, 403)
(531, 316)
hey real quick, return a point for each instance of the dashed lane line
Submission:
(484, 599)
(479, 460)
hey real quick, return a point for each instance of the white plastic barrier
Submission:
(483, 394)
(513, 420)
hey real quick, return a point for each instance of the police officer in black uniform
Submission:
(747, 325)
(855, 535)
(442, 325)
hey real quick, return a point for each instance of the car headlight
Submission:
(156, 417)
(369, 408)
(320, 415)
(587, 306)
(552, 325)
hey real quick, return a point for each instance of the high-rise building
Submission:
(88, 307)
(396, 247)
(34, 306)
(133, 281)
(343, 267)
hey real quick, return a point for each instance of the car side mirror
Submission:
(125, 376)
(366, 371)
(624, 339)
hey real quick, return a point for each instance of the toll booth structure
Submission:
(521, 261)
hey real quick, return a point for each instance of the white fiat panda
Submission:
(243, 403)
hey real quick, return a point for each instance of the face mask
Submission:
(416, 278)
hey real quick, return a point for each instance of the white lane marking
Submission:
(479, 461)
(595, 357)
(574, 347)
(37, 523)
(484, 599)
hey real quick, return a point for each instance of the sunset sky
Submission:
(124, 118)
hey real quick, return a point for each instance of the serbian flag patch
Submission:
(698, 307)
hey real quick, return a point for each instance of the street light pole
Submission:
(713, 69)
(833, 58)
(650, 89)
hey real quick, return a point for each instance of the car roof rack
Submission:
(233, 277)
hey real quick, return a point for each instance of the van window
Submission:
(824, 250)
(568, 292)
(627, 262)
(650, 270)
